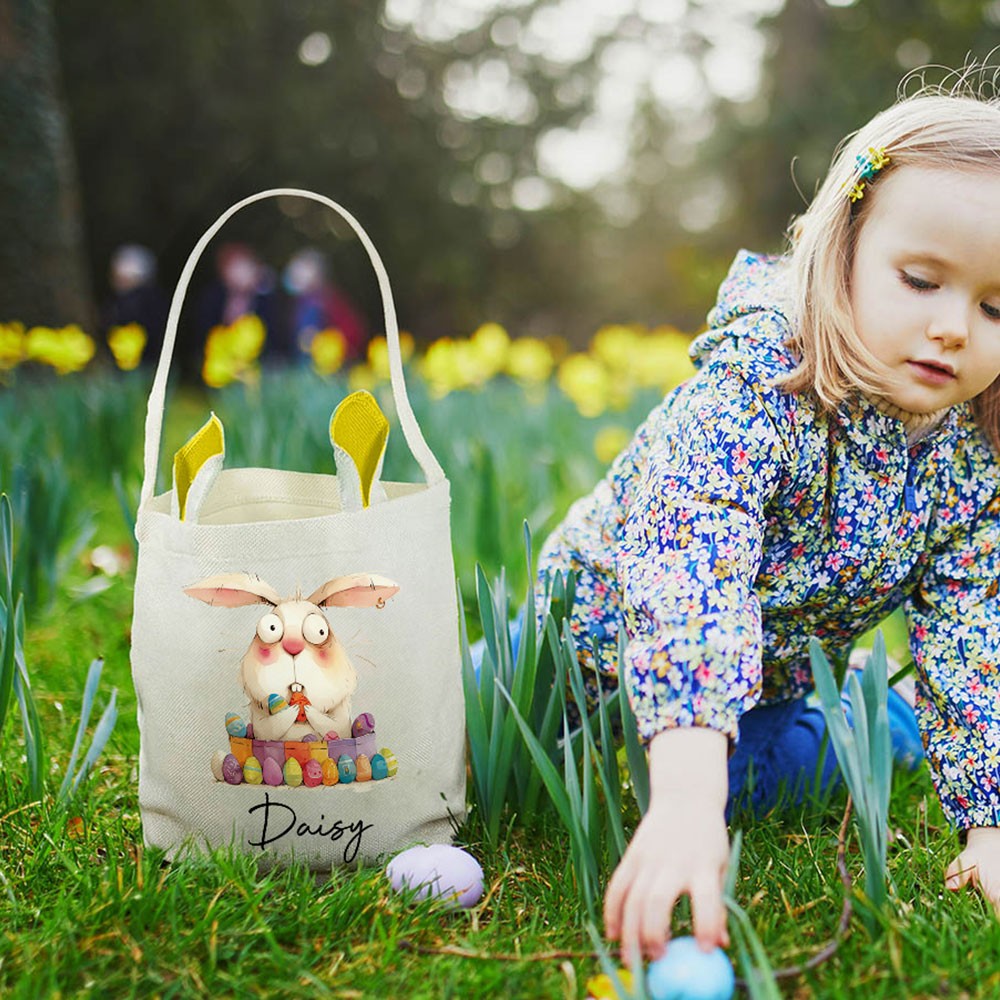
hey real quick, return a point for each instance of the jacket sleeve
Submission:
(954, 621)
(690, 551)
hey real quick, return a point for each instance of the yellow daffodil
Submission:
(127, 344)
(378, 353)
(67, 350)
(665, 359)
(530, 360)
(603, 988)
(247, 335)
(585, 381)
(440, 367)
(618, 347)
(12, 347)
(609, 441)
(361, 377)
(491, 346)
(231, 352)
(219, 370)
(328, 348)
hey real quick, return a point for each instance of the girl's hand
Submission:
(979, 864)
(681, 846)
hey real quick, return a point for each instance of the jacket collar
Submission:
(880, 440)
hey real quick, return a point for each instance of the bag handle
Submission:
(432, 470)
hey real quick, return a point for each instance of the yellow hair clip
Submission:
(868, 165)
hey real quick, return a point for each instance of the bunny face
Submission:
(294, 653)
(294, 644)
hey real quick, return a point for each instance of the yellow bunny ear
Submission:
(205, 444)
(359, 431)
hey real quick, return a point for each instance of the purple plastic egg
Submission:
(272, 772)
(312, 773)
(232, 770)
(441, 872)
(310, 738)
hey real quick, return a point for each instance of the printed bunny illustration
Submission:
(296, 674)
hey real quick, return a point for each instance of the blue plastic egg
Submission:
(275, 704)
(687, 973)
(380, 769)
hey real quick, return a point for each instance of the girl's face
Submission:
(925, 283)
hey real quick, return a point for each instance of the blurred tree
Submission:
(434, 142)
(42, 271)
(179, 108)
(437, 138)
(832, 67)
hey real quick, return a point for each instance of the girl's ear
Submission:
(360, 590)
(233, 590)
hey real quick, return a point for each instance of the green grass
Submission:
(95, 914)
(99, 915)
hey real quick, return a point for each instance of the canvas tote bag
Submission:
(223, 759)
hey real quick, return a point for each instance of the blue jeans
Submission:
(777, 756)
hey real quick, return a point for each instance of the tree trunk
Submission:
(42, 271)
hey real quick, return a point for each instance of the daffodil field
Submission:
(522, 426)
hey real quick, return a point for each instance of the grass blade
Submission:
(635, 755)
(101, 736)
(89, 693)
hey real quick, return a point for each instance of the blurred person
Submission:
(317, 304)
(244, 286)
(136, 296)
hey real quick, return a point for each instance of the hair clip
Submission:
(868, 165)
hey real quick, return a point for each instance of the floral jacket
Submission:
(740, 521)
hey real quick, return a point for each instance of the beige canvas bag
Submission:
(368, 644)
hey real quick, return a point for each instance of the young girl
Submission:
(834, 457)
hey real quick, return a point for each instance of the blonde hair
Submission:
(944, 126)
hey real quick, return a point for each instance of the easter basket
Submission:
(295, 637)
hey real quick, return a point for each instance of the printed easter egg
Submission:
(253, 773)
(293, 772)
(312, 773)
(440, 872)
(272, 771)
(217, 758)
(231, 770)
(275, 703)
(331, 736)
(363, 725)
(687, 973)
(364, 768)
(331, 776)
(235, 726)
(380, 769)
(310, 738)
(390, 760)
(347, 768)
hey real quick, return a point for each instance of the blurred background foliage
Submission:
(551, 165)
